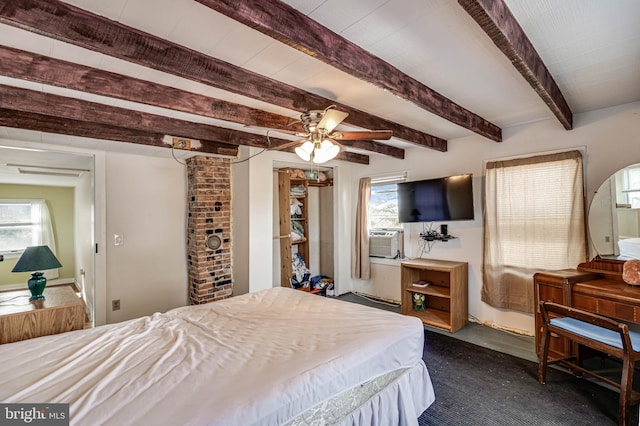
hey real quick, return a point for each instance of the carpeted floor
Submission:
(475, 386)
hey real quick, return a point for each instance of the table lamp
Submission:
(36, 258)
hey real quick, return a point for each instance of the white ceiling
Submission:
(29, 166)
(591, 47)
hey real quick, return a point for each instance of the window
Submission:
(24, 223)
(631, 186)
(534, 221)
(383, 205)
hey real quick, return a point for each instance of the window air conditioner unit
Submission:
(384, 243)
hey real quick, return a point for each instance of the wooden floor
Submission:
(510, 343)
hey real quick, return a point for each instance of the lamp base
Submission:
(36, 284)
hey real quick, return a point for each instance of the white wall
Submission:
(326, 230)
(84, 240)
(275, 225)
(240, 235)
(260, 226)
(313, 205)
(100, 237)
(146, 205)
(345, 179)
(385, 275)
(628, 222)
(611, 139)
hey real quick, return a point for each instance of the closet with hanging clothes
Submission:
(305, 235)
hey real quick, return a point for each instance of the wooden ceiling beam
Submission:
(288, 25)
(380, 148)
(42, 69)
(352, 157)
(25, 100)
(29, 101)
(62, 21)
(495, 18)
(30, 66)
(65, 126)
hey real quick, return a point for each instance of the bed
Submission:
(629, 248)
(274, 357)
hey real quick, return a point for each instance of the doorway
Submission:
(319, 221)
(65, 181)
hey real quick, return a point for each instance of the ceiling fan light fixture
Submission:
(305, 150)
(325, 151)
(319, 139)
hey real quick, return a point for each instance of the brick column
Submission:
(209, 180)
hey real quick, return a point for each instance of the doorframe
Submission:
(99, 307)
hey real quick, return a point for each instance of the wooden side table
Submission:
(446, 297)
(61, 310)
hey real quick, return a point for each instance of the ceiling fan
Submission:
(319, 138)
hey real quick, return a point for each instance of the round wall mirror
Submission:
(614, 215)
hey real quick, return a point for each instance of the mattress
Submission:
(262, 358)
(629, 248)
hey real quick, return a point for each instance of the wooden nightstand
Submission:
(61, 310)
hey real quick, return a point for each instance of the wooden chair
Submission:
(597, 332)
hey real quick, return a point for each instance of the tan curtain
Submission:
(534, 220)
(362, 269)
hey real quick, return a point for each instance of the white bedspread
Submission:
(629, 248)
(261, 358)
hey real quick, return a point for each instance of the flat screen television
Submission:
(435, 200)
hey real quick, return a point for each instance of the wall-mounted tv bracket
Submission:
(431, 235)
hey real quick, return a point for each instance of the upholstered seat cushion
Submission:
(603, 335)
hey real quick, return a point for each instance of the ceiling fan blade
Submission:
(362, 136)
(287, 145)
(331, 119)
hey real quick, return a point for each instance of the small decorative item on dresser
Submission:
(418, 302)
(631, 272)
(36, 258)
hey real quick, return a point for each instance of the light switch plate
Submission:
(118, 240)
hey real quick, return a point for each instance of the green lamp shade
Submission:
(35, 259)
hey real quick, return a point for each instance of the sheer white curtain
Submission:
(534, 220)
(362, 268)
(42, 234)
(43, 231)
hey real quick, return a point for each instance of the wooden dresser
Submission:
(595, 286)
(61, 310)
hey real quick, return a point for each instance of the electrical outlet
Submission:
(115, 305)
